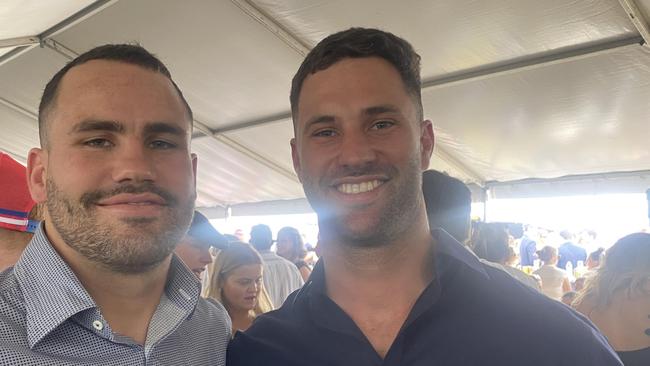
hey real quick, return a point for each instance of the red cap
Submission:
(15, 200)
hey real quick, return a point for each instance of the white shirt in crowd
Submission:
(281, 277)
(519, 275)
(552, 279)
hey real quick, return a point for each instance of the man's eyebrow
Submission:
(319, 119)
(380, 109)
(95, 125)
(163, 127)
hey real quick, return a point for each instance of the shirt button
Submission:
(98, 325)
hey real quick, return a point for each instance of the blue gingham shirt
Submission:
(48, 318)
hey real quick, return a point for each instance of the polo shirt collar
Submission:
(53, 293)
(447, 245)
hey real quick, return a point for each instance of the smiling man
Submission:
(98, 283)
(388, 291)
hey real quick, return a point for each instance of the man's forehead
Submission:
(106, 76)
(105, 90)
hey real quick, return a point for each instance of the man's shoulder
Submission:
(529, 317)
(213, 313)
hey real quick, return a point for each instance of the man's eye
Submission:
(101, 143)
(382, 125)
(159, 144)
(324, 133)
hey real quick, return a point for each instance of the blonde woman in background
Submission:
(235, 280)
(617, 298)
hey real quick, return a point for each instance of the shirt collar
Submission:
(445, 247)
(53, 293)
(448, 255)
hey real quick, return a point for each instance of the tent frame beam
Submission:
(273, 26)
(637, 18)
(570, 178)
(66, 23)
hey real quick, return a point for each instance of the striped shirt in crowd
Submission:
(281, 277)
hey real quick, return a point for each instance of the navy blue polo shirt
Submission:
(470, 314)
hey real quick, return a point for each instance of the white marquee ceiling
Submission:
(516, 89)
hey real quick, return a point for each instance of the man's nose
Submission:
(133, 163)
(356, 149)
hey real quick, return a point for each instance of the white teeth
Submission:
(358, 188)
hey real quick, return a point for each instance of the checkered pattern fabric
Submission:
(48, 318)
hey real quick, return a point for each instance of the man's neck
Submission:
(377, 287)
(399, 268)
(126, 301)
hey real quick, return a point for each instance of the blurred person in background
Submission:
(579, 284)
(448, 203)
(569, 297)
(555, 281)
(290, 247)
(492, 242)
(595, 258)
(236, 282)
(617, 298)
(528, 248)
(194, 248)
(18, 212)
(281, 277)
(570, 252)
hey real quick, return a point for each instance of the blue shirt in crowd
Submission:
(570, 252)
(470, 314)
(48, 318)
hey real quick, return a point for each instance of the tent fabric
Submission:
(546, 116)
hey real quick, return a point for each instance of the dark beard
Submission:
(136, 249)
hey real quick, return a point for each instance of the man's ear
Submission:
(427, 141)
(295, 158)
(37, 174)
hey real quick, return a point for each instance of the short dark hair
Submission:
(360, 43)
(126, 53)
(261, 237)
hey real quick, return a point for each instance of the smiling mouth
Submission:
(356, 188)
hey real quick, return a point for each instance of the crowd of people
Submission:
(108, 262)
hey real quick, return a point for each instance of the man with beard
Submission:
(388, 291)
(98, 283)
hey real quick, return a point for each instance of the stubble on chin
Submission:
(122, 245)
